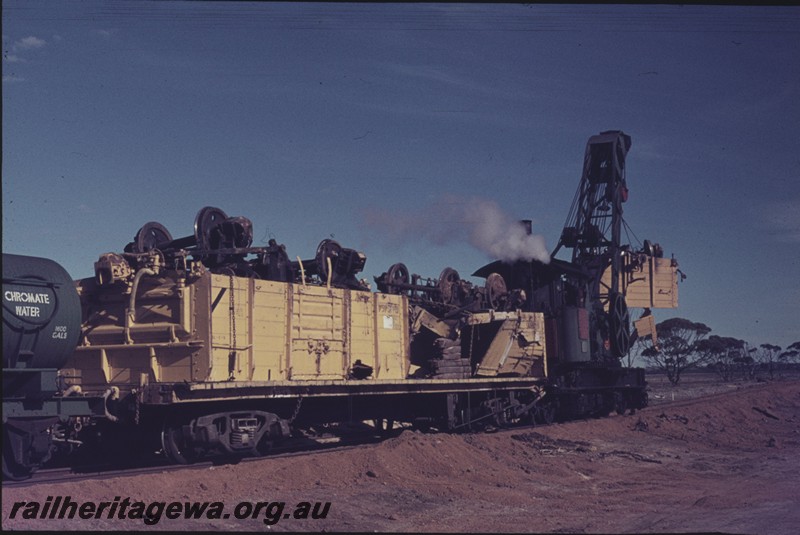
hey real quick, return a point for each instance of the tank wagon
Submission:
(41, 327)
(207, 346)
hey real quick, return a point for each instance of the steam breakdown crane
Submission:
(585, 299)
(593, 230)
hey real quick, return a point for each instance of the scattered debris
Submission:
(630, 455)
(678, 418)
(765, 413)
(550, 446)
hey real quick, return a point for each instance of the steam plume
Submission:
(480, 222)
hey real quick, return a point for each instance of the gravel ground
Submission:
(718, 458)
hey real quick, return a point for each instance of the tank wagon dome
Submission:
(41, 313)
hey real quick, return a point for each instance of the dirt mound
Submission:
(764, 415)
(744, 420)
(727, 462)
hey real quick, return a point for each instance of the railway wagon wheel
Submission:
(397, 278)
(384, 426)
(206, 220)
(545, 413)
(327, 249)
(448, 286)
(152, 235)
(26, 447)
(620, 403)
(13, 471)
(496, 290)
(174, 444)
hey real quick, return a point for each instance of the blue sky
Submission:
(351, 120)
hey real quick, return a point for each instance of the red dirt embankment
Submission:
(726, 462)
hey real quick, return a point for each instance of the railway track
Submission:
(687, 394)
(160, 465)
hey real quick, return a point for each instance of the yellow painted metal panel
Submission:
(645, 326)
(269, 317)
(391, 341)
(652, 282)
(362, 333)
(221, 328)
(154, 342)
(517, 348)
(85, 368)
(305, 332)
(317, 332)
(230, 328)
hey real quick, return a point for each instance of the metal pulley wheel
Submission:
(619, 325)
(448, 286)
(496, 290)
(327, 249)
(396, 277)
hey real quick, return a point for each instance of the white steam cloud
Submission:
(480, 222)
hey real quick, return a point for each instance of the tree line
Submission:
(683, 345)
